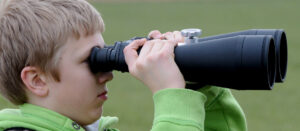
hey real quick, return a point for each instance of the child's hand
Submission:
(173, 36)
(155, 65)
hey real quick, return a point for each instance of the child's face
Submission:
(80, 94)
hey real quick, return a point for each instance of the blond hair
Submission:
(32, 32)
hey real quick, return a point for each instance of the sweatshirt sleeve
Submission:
(178, 110)
(223, 113)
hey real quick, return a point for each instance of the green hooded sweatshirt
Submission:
(209, 109)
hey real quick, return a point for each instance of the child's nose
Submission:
(105, 77)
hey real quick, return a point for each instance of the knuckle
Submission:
(157, 57)
(155, 31)
(126, 50)
(151, 58)
(139, 65)
(168, 33)
(163, 55)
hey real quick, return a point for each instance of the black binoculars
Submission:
(247, 60)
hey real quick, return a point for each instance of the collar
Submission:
(50, 117)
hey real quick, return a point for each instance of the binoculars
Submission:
(247, 60)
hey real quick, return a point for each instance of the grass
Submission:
(131, 101)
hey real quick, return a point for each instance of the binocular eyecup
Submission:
(246, 60)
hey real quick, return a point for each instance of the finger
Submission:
(169, 36)
(146, 49)
(157, 45)
(178, 37)
(155, 34)
(168, 47)
(130, 51)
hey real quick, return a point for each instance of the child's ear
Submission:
(34, 81)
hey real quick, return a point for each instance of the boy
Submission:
(44, 46)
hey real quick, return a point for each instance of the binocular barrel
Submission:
(239, 62)
(280, 46)
(243, 62)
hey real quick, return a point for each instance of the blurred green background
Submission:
(131, 101)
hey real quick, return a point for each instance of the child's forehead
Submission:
(85, 43)
(90, 40)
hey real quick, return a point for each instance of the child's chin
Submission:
(94, 116)
(90, 121)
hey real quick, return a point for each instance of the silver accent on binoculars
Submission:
(190, 35)
(247, 60)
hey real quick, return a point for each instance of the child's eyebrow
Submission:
(86, 50)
